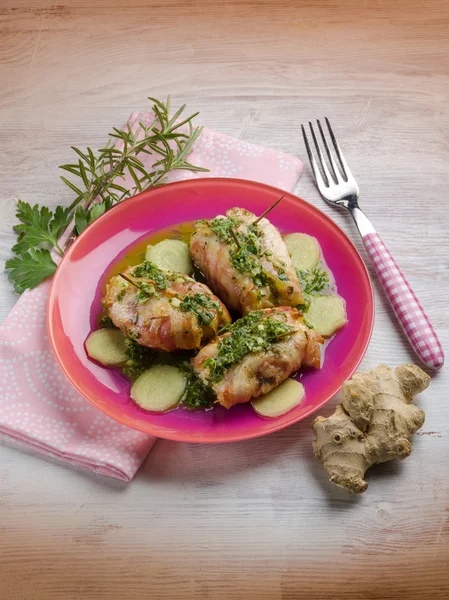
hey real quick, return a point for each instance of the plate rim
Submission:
(180, 436)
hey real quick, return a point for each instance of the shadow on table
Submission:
(177, 460)
(288, 454)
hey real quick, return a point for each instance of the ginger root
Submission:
(371, 425)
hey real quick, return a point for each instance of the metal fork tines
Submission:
(335, 182)
(337, 185)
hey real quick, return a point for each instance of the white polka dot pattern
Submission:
(405, 304)
(38, 407)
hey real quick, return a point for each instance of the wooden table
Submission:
(254, 519)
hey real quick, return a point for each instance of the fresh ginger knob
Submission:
(371, 425)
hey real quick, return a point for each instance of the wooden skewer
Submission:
(287, 333)
(235, 238)
(126, 278)
(267, 211)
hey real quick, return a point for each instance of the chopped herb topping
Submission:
(201, 306)
(133, 335)
(198, 395)
(245, 261)
(148, 270)
(106, 322)
(146, 291)
(121, 295)
(312, 282)
(139, 359)
(222, 227)
(246, 250)
(254, 333)
(245, 256)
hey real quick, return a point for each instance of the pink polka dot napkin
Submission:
(38, 406)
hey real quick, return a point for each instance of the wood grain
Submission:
(254, 519)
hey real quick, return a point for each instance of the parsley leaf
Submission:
(29, 269)
(38, 225)
(40, 228)
(84, 216)
(81, 219)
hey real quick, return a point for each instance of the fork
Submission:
(337, 186)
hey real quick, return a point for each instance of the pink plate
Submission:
(74, 304)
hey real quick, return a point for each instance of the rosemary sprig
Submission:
(99, 185)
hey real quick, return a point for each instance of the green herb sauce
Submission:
(106, 322)
(201, 306)
(222, 227)
(148, 270)
(311, 282)
(146, 291)
(254, 333)
(132, 335)
(198, 395)
(244, 255)
(139, 359)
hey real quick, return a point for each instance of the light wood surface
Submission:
(254, 519)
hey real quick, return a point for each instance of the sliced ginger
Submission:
(326, 314)
(171, 254)
(304, 250)
(107, 346)
(371, 425)
(280, 400)
(159, 389)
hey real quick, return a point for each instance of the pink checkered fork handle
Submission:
(337, 186)
(405, 304)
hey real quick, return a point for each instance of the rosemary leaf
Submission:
(72, 186)
(99, 185)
